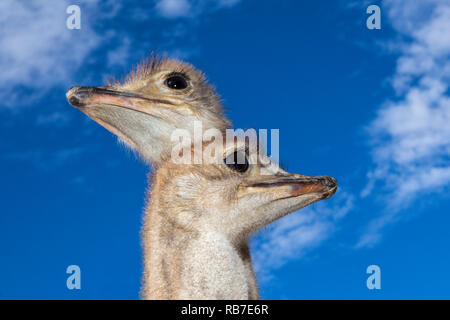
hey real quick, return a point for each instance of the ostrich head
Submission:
(234, 192)
(157, 97)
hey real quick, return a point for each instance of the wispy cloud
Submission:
(293, 236)
(121, 54)
(173, 8)
(411, 133)
(190, 8)
(37, 50)
(45, 159)
(39, 53)
(57, 118)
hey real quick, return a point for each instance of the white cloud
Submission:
(292, 236)
(173, 8)
(411, 134)
(190, 8)
(36, 48)
(120, 55)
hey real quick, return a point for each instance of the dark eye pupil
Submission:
(176, 82)
(237, 162)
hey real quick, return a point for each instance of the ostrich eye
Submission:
(237, 161)
(176, 82)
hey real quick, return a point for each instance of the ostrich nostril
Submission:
(75, 101)
(330, 182)
(77, 96)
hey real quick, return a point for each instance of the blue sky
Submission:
(369, 107)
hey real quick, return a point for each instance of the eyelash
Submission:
(178, 73)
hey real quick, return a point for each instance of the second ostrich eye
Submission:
(237, 161)
(176, 82)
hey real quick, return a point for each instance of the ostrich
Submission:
(200, 217)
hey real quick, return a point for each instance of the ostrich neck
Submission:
(192, 264)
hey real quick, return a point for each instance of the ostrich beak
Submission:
(293, 186)
(81, 97)
(129, 115)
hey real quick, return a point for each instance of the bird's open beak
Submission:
(292, 186)
(82, 97)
